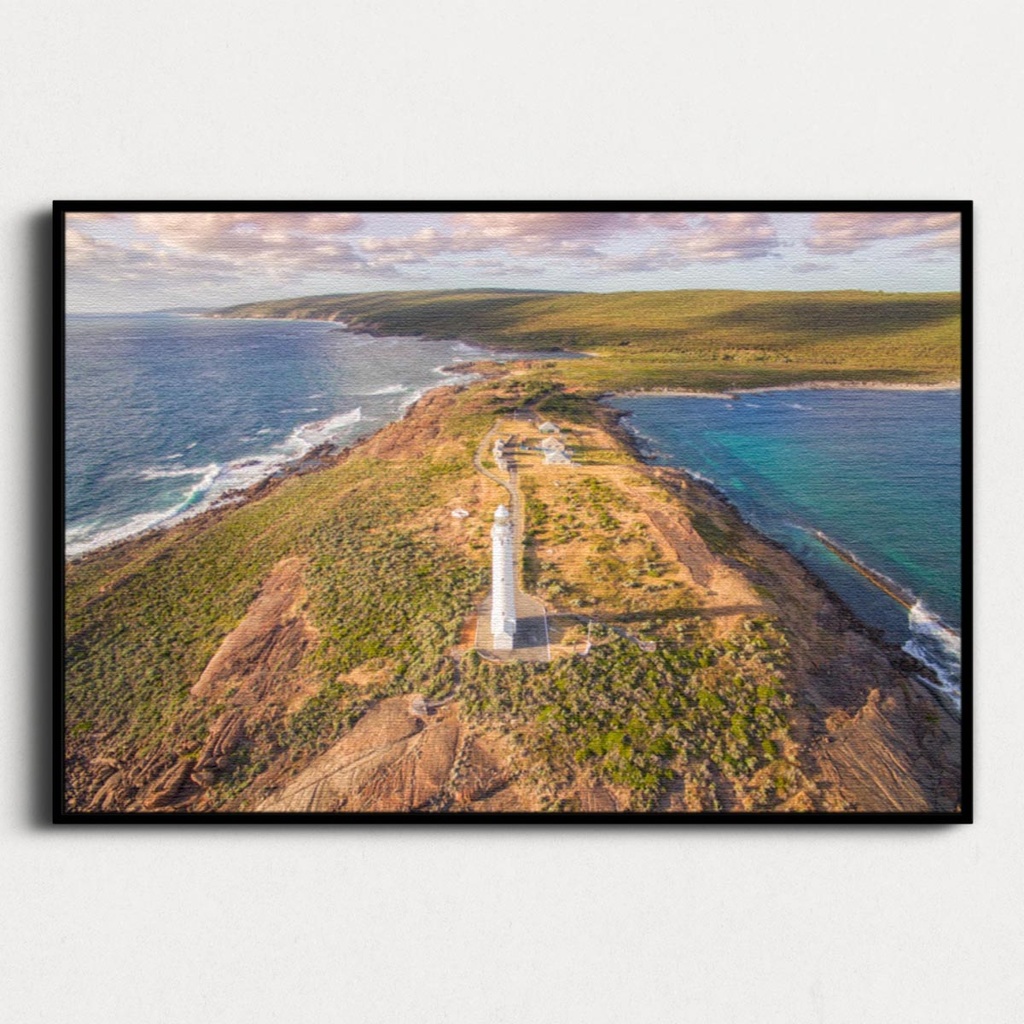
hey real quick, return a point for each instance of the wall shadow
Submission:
(43, 586)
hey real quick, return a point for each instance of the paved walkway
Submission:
(531, 640)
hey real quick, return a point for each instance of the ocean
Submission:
(166, 414)
(873, 473)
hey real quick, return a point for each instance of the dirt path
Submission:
(532, 641)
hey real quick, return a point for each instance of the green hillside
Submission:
(714, 339)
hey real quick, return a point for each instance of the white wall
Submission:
(336, 100)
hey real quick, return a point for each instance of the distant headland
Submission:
(689, 340)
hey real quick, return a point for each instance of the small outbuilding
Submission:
(547, 427)
(459, 513)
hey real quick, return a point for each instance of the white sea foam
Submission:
(413, 398)
(307, 436)
(86, 537)
(936, 645)
(391, 389)
(452, 376)
(155, 473)
(216, 481)
(694, 475)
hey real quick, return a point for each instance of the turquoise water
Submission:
(876, 471)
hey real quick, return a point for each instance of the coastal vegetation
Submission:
(144, 618)
(710, 340)
(641, 719)
(209, 665)
(384, 594)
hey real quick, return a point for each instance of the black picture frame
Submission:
(964, 815)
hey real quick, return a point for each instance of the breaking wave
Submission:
(217, 481)
(694, 475)
(938, 646)
(87, 536)
(932, 642)
(308, 436)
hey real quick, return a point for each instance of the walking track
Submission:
(532, 642)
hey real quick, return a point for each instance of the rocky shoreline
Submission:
(857, 711)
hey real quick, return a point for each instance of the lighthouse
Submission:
(503, 587)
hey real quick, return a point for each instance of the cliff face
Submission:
(324, 661)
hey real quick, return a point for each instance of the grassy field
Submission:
(675, 339)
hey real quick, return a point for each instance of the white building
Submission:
(503, 584)
(547, 427)
(558, 457)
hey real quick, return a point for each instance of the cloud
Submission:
(842, 233)
(529, 236)
(659, 240)
(229, 233)
(940, 241)
(537, 234)
(725, 236)
(90, 261)
(418, 247)
(276, 245)
(688, 238)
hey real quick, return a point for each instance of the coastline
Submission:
(900, 660)
(855, 698)
(323, 455)
(330, 454)
(811, 385)
(943, 691)
(327, 454)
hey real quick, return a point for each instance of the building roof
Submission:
(547, 427)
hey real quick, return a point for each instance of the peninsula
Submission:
(315, 647)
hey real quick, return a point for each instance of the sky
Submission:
(128, 262)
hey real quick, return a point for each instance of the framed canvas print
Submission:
(519, 511)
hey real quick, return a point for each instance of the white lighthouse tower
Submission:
(503, 588)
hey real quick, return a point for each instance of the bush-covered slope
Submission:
(675, 338)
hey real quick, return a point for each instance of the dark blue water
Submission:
(876, 471)
(167, 414)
